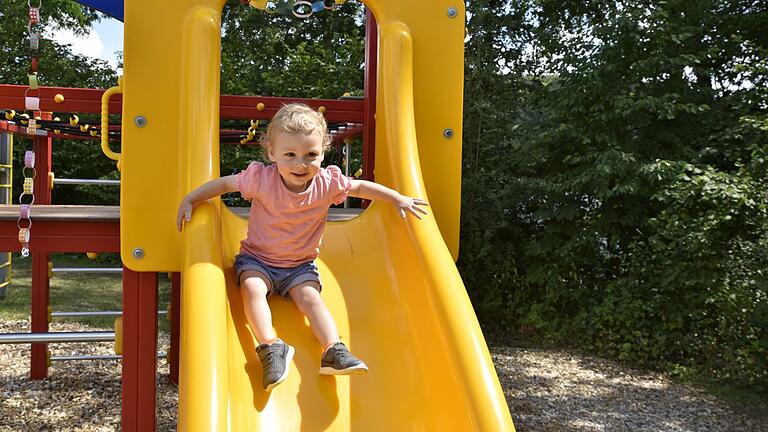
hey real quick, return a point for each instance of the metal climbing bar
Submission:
(85, 181)
(96, 357)
(93, 314)
(56, 337)
(86, 270)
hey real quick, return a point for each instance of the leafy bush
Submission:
(614, 184)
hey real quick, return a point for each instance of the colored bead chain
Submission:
(26, 199)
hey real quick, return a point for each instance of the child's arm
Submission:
(376, 192)
(204, 192)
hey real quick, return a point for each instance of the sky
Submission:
(104, 39)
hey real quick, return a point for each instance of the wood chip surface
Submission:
(547, 391)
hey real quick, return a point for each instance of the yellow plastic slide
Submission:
(430, 368)
(397, 298)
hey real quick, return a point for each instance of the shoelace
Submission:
(344, 357)
(269, 357)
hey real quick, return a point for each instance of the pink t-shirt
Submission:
(285, 227)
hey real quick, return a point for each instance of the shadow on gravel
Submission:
(550, 391)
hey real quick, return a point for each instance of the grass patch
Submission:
(73, 292)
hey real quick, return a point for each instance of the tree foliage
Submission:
(617, 201)
(59, 67)
(277, 55)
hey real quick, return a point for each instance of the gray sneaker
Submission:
(339, 361)
(275, 360)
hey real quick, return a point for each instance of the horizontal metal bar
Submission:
(96, 357)
(86, 270)
(55, 337)
(86, 314)
(94, 313)
(86, 357)
(85, 181)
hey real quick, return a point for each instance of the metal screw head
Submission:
(140, 121)
(448, 133)
(138, 253)
(452, 12)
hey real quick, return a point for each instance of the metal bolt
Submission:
(138, 253)
(448, 133)
(140, 121)
(452, 12)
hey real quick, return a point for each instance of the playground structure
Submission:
(391, 284)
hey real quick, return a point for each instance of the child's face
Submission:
(297, 157)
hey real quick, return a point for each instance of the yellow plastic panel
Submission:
(172, 57)
(437, 51)
(172, 52)
(396, 295)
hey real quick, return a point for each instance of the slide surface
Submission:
(388, 312)
(392, 286)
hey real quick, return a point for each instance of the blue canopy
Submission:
(113, 8)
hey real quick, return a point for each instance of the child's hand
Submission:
(184, 214)
(411, 205)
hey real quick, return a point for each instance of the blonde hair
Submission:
(297, 118)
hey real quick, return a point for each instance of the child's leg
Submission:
(253, 290)
(307, 299)
(336, 358)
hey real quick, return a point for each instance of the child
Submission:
(290, 201)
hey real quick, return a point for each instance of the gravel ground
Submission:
(77, 396)
(552, 391)
(547, 391)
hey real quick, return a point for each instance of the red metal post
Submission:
(39, 364)
(173, 355)
(139, 350)
(40, 289)
(43, 165)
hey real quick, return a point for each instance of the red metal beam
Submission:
(59, 236)
(246, 107)
(139, 350)
(231, 107)
(79, 100)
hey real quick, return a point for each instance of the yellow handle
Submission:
(119, 335)
(105, 119)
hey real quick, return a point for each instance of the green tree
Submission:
(621, 177)
(58, 67)
(276, 55)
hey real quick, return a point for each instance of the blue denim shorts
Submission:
(279, 280)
